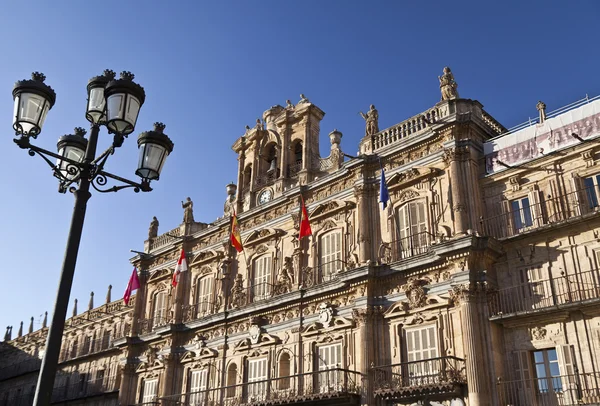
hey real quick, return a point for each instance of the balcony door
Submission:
(160, 309)
(421, 347)
(262, 277)
(204, 297)
(257, 377)
(330, 248)
(412, 229)
(198, 386)
(330, 364)
(150, 391)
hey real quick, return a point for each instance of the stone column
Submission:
(361, 192)
(241, 189)
(476, 341)
(169, 377)
(364, 319)
(452, 159)
(128, 384)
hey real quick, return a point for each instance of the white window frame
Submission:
(204, 295)
(422, 344)
(522, 215)
(330, 359)
(159, 308)
(198, 386)
(591, 188)
(257, 379)
(330, 250)
(261, 286)
(150, 390)
(412, 220)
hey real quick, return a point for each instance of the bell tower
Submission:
(279, 153)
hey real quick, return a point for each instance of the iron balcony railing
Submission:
(549, 210)
(198, 310)
(327, 271)
(84, 389)
(546, 293)
(406, 247)
(326, 384)
(294, 168)
(86, 348)
(401, 380)
(563, 390)
(266, 179)
(146, 326)
(251, 294)
(18, 368)
(17, 399)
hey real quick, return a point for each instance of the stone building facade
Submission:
(477, 285)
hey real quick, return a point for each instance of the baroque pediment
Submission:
(262, 235)
(329, 208)
(410, 176)
(317, 328)
(160, 274)
(205, 256)
(199, 354)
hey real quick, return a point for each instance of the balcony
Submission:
(266, 179)
(564, 390)
(406, 247)
(86, 348)
(438, 378)
(198, 310)
(328, 387)
(556, 292)
(530, 216)
(85, 389)
(146, 326)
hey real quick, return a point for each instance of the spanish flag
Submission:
(304, 223)
(236, 239)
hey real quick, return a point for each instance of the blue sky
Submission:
(210, 68)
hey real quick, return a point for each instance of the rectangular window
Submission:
(204, 300)
(330, 247)
(547, 371)
(262, 278)
(521, 213)
(150, 390)
(412, 229)
(330, 363)
(160, 308)
(198, 386)
(535, 292)
(591, 186)
(421, 346)
(257, 377)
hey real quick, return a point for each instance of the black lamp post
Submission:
(114, 103)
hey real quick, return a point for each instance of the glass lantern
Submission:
(124, 98)
(33, 99)
(96, 106)
(154, 148)
(72, 147)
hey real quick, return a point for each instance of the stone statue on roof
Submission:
(372, 120)
(448, 85)
(188, 211)
(153, 230)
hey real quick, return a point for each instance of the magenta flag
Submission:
(134, 283)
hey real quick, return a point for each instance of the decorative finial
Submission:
(38, 76)
(20, 332)
(6, 335)
(91, 303)
(108, 294)
(126, 75)
(541, 108)
(45, 322)
(109, 74)
(159, 127)
(80, 131)
(75, 308)
(31, 326)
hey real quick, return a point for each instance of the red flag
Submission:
(134, 283)
(304, 223)
(181, 267)
(236, 239)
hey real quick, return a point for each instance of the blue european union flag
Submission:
(384, 195)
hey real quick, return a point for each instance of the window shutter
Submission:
(566, 364)
(523, 390)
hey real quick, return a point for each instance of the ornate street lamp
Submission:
(116, 104)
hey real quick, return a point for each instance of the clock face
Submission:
(265, 196)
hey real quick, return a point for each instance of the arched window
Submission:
(284, 372)
(74, 348)
(271, 158)
(231, 380)
(204, 292)
(412, 229)
(261, 286)
(247, 177)
(159, 309)
(330, 258)
(106, 340)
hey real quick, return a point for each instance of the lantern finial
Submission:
(80, 131)
(126, 75)
(38, 76)
(109, 74)
(159, 127)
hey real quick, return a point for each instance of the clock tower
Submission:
(279, 153)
